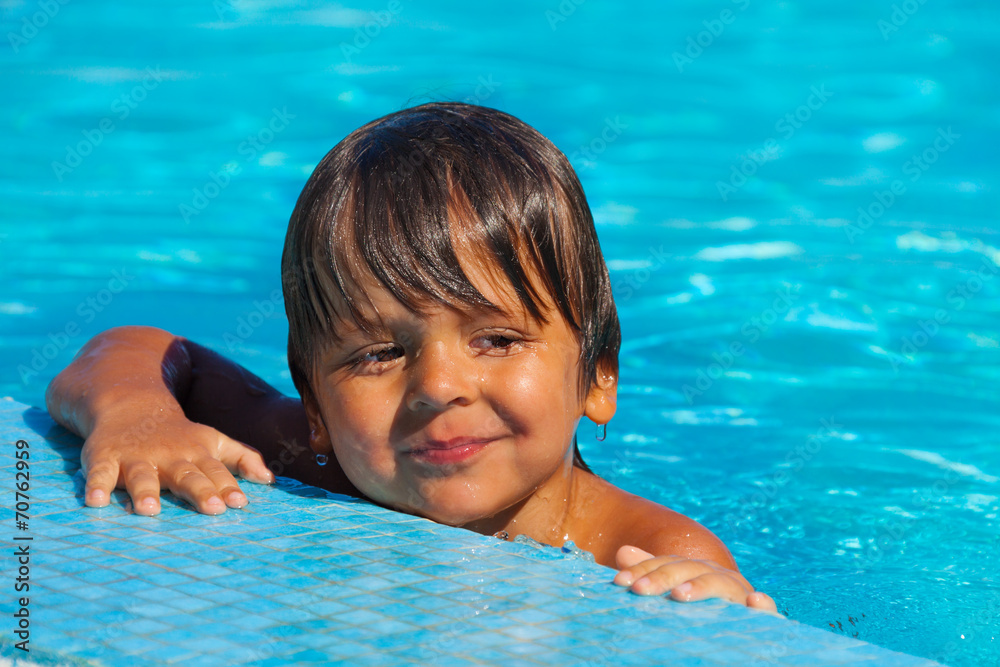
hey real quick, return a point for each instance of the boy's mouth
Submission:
(453, 450)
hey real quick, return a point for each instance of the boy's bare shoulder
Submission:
(620, 518)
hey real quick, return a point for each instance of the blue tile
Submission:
(187, 603)
(137, 645)
(174, 654)
(437, 586)
(362, 617)
(329, 608)
(291, 615)
(258, 605)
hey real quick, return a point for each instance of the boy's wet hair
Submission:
(384, 203)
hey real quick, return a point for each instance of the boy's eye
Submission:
(382, 356)
(379, 356)
(499, 341)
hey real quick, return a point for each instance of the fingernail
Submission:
(623, 579)
(97, 498)
(683, 589)
(236, 499)
(214, 505)
(146, 506)
(641, 585)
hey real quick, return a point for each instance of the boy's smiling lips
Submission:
(452, 450)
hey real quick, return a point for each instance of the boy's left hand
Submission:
(686, 579)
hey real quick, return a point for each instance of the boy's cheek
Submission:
(366, 469)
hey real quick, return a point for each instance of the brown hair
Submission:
(379, 203)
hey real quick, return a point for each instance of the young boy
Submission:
(450, 321)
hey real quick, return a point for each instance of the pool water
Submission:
(798, 206)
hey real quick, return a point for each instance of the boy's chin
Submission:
(482, 515)
(461, 516)
(448, 518)
(462, 505)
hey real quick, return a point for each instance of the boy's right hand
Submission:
(192, 461)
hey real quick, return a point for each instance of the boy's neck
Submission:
(547, 515)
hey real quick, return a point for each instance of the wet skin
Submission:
(464, 417)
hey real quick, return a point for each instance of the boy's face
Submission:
(454, 416)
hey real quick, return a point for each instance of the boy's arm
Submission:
(686, 579)
(224, 395)
(127, 392)
(666, 552)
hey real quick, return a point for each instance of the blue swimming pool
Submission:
(798, 205)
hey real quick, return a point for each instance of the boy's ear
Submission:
(319, 437)
(602, 399)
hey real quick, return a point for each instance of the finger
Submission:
(143, 486)
(667, 576)
(628, 556)
(631, 575)
(185, 480)
(244, 460)
(101, 480)
(762, 601)
(226, 486)
(717, 584)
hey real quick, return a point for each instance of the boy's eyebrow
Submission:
(519, 316)
(346, 327)
(376, 326)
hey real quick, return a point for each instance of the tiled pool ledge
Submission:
(303, 576)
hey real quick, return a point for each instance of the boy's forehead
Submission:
(418, 280)
(376, 305)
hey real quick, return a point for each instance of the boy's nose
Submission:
(440, 377)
